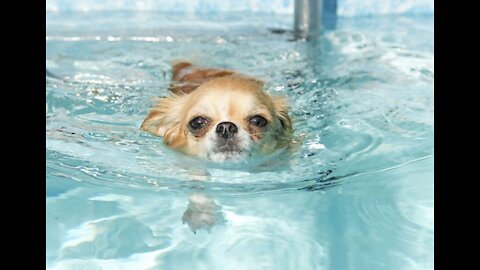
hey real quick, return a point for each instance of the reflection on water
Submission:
(357, 192)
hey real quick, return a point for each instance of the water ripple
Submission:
(354, 193)
(349, 119)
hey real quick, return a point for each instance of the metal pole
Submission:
(308, 18)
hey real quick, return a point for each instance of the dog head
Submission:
(225, 118)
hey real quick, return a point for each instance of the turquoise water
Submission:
(356, 194)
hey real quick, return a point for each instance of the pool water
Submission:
(357, 193)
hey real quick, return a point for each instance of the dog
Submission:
(219, 115)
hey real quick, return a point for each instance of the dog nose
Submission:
(226, 130)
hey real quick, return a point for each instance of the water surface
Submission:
(356, 194)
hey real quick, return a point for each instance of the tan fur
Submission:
(186, 77)
(218, 95)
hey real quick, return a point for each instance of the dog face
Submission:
(225, 118)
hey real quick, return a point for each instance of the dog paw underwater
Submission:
(219, 115)
(202, 213)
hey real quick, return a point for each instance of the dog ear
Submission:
(186, 77)
(164, 120)
(281, 111)
(178, 67)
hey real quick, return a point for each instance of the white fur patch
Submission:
(210, 146)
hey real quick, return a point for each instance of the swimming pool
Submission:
(357, 194)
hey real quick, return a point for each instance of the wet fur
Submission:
(170, 116)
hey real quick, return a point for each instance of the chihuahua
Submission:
(219, 115)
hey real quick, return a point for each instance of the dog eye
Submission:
(198, 122)
(258, 121)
